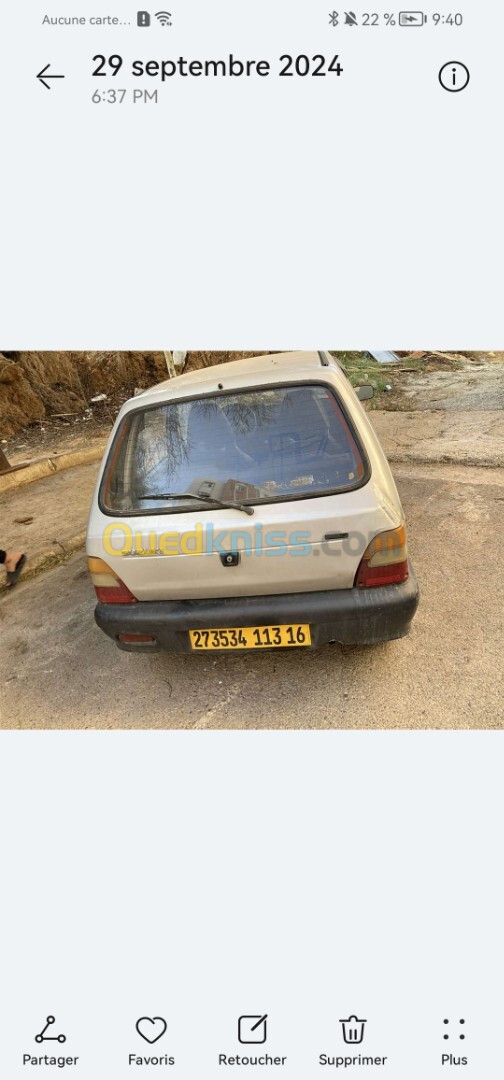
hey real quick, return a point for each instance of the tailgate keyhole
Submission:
(230, 558)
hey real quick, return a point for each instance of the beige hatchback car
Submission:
(249, 506)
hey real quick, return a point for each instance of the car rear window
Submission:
(258, 445)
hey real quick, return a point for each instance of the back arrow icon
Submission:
(42, 75)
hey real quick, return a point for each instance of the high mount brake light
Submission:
(107, 584)
(385, 560)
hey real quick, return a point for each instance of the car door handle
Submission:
(336, 536)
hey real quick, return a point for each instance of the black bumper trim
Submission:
(349, 616)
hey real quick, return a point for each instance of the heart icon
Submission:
(151, 1028)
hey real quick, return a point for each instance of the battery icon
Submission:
(412, 18)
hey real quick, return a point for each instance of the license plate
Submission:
(252, 637)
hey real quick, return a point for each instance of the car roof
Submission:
(252, 370)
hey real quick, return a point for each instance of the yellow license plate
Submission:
(252, 637)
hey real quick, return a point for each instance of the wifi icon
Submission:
(164, 17)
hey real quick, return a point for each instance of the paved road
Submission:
(57, 670)
(57, 504)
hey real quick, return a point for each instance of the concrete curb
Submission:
(402, 457)
(51, 556)
(48, 466)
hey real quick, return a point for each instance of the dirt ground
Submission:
(477, 385)
(64, 436)
(56, 389)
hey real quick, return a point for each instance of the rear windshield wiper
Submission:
(201, 498)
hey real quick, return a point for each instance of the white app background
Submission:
(252, 213)
(199, 877)
(308, 876)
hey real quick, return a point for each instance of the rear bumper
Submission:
(349, 616)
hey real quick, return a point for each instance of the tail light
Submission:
(385, 560)
(108, 586)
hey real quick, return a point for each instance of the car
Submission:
(249, 506)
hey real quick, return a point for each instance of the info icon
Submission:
(454, 77)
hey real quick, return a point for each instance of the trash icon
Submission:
(353, 1029)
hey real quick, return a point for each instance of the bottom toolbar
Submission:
(250, 1029)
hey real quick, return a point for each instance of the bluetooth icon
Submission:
(333, 18)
